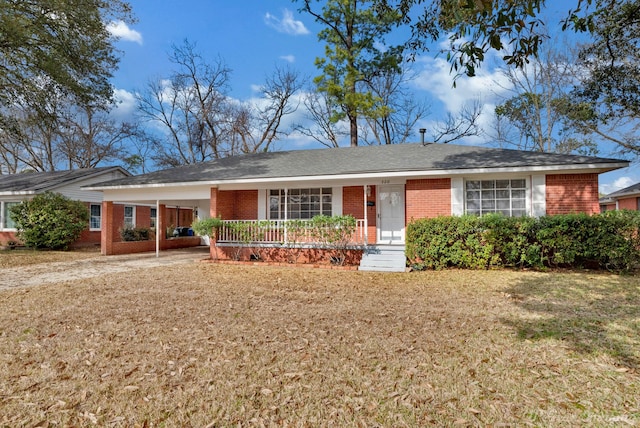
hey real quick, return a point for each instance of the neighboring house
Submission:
(15, 188)
(623, 199)
(383, 187)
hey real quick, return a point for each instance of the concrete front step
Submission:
(383, 258)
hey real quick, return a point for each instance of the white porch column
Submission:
(157, 228)
(366, 219)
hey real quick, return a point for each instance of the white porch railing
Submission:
(277, 232)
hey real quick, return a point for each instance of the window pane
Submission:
(488, 184)
(488, 194)
(472, 185)
(488, 205)
(326, 190)
(95, 219)
(473, 194)
(503, 205)
(518, 194)
(518, 203)
(502, 184)
(502, 194)
(518, 184)
(473, 205)
(8, 221)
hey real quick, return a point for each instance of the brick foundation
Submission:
(284, 255)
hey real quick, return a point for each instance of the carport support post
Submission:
(159, 226)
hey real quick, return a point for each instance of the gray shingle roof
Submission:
(36, 182)
(355, 160)
(631, 190)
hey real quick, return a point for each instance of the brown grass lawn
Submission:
(220, 345)
(21, 257)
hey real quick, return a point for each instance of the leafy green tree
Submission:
(539, 114)
(609, 91)
(50, 220)
(354, 54)
(58, 46)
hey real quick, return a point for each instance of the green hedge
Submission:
(610, 241)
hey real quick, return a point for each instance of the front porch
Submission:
(336, 240)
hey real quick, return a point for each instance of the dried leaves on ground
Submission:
(219, 345)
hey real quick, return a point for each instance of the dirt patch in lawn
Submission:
(202, 344)
(27, 268)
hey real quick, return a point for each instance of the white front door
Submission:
(391, 214)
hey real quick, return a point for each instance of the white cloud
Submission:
(289, 58)
(287, 24)
(617, 184)
(436, 78)
(125, 104)
(122, 31)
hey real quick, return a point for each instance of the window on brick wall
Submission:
(129, 216)
(153, 218)
(508, 197)
(299, 203)
(95, 220)
(6, 222)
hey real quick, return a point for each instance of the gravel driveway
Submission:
(25, 276)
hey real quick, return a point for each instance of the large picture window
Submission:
(299, 203)
(95, 221)
(508, 197)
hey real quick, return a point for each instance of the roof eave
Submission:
(598, 168)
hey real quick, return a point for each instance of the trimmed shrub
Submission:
(50, 220)
(129, 234)
(609, 241)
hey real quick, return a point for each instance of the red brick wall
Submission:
(353, 204)
(281, 255)
(572, 193)
(353, 201)
(8, 236)
(628, 204)
(234, 204)
(428, 198)
(148, 246)
(246, 205)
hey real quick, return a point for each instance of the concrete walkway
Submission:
(28, 276)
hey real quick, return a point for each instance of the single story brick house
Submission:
(383, 187)
(623, 199)
(15, 188)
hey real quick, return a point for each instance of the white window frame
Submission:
(91, 217)
(287, 202)
(4, 214)
(153, 219)
(483, 193)
(133, 216)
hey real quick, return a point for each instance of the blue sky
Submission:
(252, 37)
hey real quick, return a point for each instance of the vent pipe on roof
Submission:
(422, 131)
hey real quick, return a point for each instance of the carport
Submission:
(162, 198)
